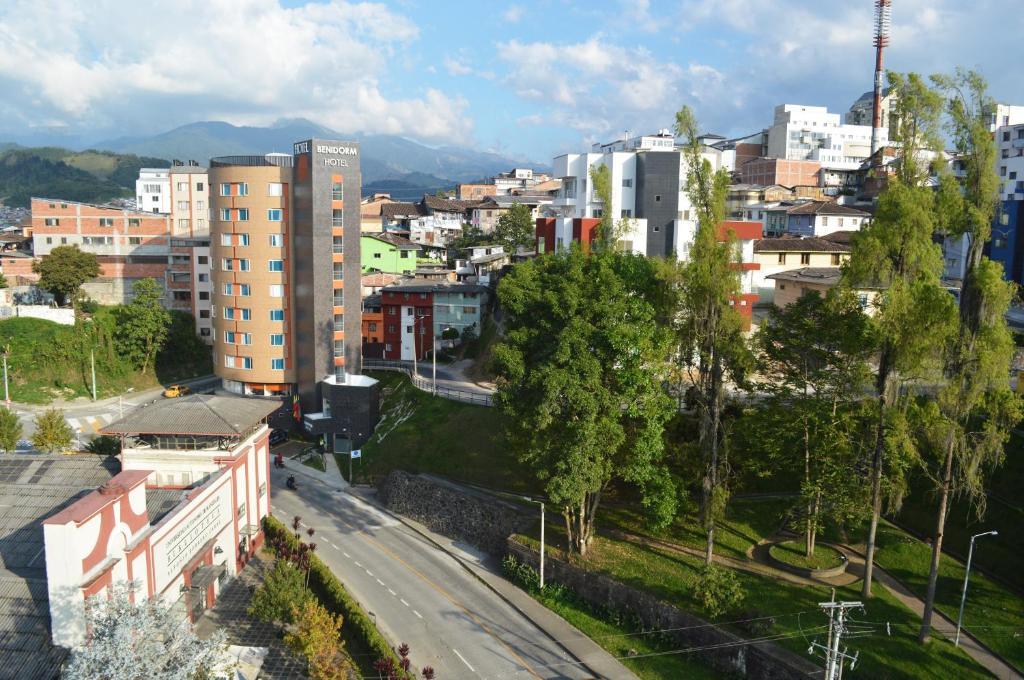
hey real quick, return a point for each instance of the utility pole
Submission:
(7, 395)
(834, 658)
(92, 360)
(967, 576)
(542, 522)
(433, 355)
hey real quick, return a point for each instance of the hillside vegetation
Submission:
(48, 361)
(53, 172)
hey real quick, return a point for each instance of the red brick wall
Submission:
(545, 229)
(391, 306)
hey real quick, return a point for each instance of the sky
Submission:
(529, 79)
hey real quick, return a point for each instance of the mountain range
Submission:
(384, 157)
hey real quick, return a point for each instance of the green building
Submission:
(388, 253)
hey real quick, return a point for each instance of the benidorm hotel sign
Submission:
(329, 149)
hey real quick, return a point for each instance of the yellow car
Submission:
(176, 391)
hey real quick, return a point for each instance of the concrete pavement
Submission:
(419, 594)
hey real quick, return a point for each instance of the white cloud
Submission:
(513, 14)
(112, 63)
(456, 67)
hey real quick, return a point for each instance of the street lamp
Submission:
(534, 500)
(967, 575)
(415, 349)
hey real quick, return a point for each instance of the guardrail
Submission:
(426, 384)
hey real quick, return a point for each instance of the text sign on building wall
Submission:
(184, 541)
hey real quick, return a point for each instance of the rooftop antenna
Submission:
(883, 19)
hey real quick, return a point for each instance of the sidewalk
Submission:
(585, 650)
(331, 478)
(86, 403)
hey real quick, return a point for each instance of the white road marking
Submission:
(358, 565)
(391, 591)
(403, 602)
(417, 613)
(368, 572)
(381, 582)
(463, 659)
(345, 553)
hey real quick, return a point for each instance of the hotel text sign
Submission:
(332, 150)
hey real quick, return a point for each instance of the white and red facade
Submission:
(108, 537)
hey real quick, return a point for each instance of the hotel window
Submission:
(339, 244)
(243, 239)
(277, 315)
(226, 240)
(245, 338)
(225, 214)
(106, 221)
(276, 240)
(337, 190)
(339, 298)
(339, 322)
(51, 222)
(805, 258)
(225, 189)
(275, 189)
(228, 289)
(229, 313)
(134, 222)
(337, 218)
(276, 290)
(274, 215)
(277, 364)
(339, 271)
(243, 214)
(227, 264)
(134, 240)
(229, 337)
(277, 339)
(782, 258)
(182, 205)
(277, 265)
(243, 265)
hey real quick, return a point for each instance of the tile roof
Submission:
(377, 279)
(827, 208)
(399, 242)
(828, 276)
(207, 414)
(800, 245)
(33, 487)
(845, 237)
(396, 210)
(433, 202)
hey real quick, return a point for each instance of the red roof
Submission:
(87, 506)
(741, 229)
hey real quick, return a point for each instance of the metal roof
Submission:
(209, 414)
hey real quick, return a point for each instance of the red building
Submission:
(408, 319)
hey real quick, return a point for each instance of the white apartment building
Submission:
(812, 133)
(182, 192)
(1005, 114)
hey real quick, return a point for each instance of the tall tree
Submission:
(578, 372)
(53, 434)
(64, 270)
(143, 324)
(977, 408)
(914, 314)
(10, 429)
(140, 639)
(699, 293)
(515, 228)
(813, 357)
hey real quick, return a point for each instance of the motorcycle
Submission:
(291, 483)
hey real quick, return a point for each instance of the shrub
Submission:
(717, 590)
(104, 445)
(53, 434)
(281, 591)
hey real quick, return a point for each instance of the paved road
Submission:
(418, 594)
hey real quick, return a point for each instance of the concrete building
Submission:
(388, 253)
(821, 218)
(370, 211)
(485, 216)
(779, 171)
(475, 191)
(181, 191)
(181, 517)
(862, 111)
(791, 285)
(777, 255)
(812, 133)
(287, 289)
(1007, 243)
(416, 313)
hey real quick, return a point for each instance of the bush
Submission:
(316, 636)
(717, 590)
(53, 434)
(283, 589)
(328, 589)
(104, 445)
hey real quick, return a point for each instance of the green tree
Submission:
(316, 635)
(578, 374)
(976, 408)
(697, 296)
(3, 281)
(282, 589)
(53, 434)
(914, 315)
(813, 358)
(515, 228)
(10, 429)
(143, 324)
(471, 236)
(64, 270)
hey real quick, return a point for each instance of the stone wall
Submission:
(720, 649)
(453, 510)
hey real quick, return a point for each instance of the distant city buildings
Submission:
(518, 180)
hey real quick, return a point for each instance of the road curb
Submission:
(422, 531)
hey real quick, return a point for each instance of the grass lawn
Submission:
(794, 554)
(315, 462)
(418, 432)
(795, 610)
(992, 614)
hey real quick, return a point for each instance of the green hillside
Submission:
(54, 172)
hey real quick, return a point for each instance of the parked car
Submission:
(176, 391)
(278, 436)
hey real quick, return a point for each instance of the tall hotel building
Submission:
(285, 256)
